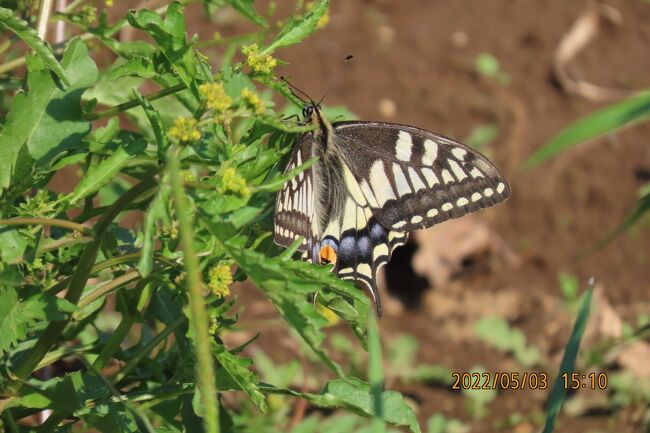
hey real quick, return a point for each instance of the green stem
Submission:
(107, 288)
(53, 222)
(62, 243)
(78, 281)
(134, 103)
(199, 316)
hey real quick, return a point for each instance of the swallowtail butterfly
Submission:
(374, 182)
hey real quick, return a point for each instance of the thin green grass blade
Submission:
(642, 206)
(623, 114)
(558, 393)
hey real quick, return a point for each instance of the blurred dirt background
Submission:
(416, 63)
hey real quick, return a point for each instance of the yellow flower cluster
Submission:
(188, 176)
(108, 3)
(231, 182)
(220, 279)
(185, 130)
(215, 96)
(89, 14)
(259, 63)
(252, 100)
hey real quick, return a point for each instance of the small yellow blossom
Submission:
(180, 278)
(231, 182)
(216, 36)
(220, 279)
(185, 129)
(89, 14)
(329, 315)
(215, 97)
(259, 63)
(108, 3)
(188, 176)
(252, 100)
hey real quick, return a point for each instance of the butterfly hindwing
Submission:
(413, 178)
(361, 245)
(295, 204)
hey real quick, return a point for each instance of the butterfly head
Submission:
(309, 110)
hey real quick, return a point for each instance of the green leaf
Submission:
(497, 332)
(239, 372)
(246, 8)
(12, 245)
(558, 393)
(356, 396)
(287, 290)
(16, 316)
(623, 114)
(45, 121)
(103, 173)
(30, 37)
(297, 30)
(169, 34)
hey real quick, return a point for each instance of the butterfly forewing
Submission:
(413, 178)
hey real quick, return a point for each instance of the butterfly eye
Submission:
(308, 111)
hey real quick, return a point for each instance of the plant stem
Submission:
(109, 287)
(43, 18)
(134, 103)
(47, 222)
(199, 317)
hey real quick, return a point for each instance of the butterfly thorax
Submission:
(329, 201)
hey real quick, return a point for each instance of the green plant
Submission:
(498, 333)
(202, 161)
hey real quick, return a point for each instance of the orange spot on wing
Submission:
(328, 254)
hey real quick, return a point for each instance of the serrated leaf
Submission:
(287, 291)
(22, 29)
(46, 120)
(617, 116)
(169, 34)
(239, 372)
(297, 30)
(247, 9)
(356, 396)
(102, 174)
(17, 315)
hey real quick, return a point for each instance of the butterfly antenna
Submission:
(336, 77)
(294, 89)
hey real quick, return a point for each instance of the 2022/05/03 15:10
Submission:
(591, 380)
